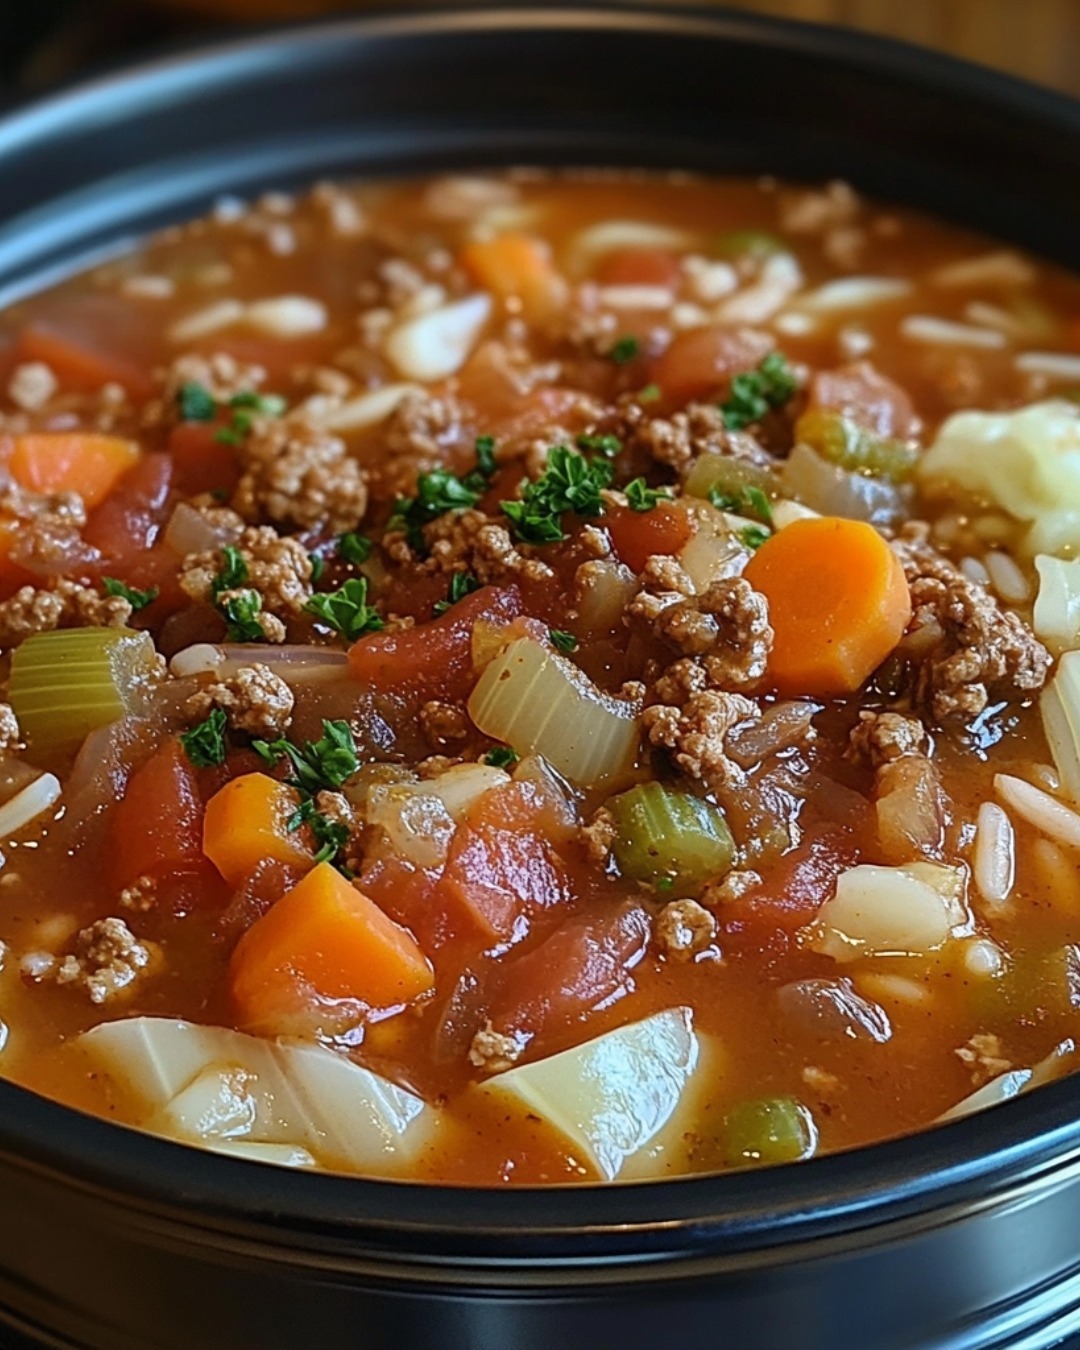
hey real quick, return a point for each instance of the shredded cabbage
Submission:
(1026, 462)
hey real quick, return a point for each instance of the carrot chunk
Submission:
(638, 535)
(515, 267)
(82, 368)
(325, 939)
(71, 461)
(247, 821)
(838, 604)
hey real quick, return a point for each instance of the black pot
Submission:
(965, 1236)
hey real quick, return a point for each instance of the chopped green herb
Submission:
(758, 504)
(502, 757)
(323, 764)
(753, 536)
(195, 402)
(245, 407)
(331, 836)
(436, 493)
(744, 501)
(562, 640)
(461, 585)
(204, 744)
(608, 446)
(751, 243)
(664, 883)
(318, 567)
(233, 572)
(485, 455)
(346, 610)
(754, 392)
(354, 548)
(570, 483)
(641, 497)
(240, 610)
(649, 394)
(625, 350)
(136, 599)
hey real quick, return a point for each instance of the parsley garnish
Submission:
(625, 350)
(195, 402)
(664, 883)
(331, 836)
(136, 599)
(649, 394)
(245, 407)
(239, 609)
(641, 497)
(570, 483)
(744, 501)
(354, 548)
(436, 493)
(562, 640)
(502, 757)
(346, 610)
(461, 585)
(608, 446)
(318, 567)
(754, 392)
(485, 456)
(204, 744)
(233, 572)
(323, 764)
(753, 536)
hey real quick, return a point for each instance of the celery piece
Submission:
(66, 683)
(723, 476)
(770, 1130)
(843, 442)
(669, 839)
(750, 244)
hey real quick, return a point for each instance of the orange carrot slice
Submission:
(515, 267)
(85, 462)
(325, 938)
(838, 604)
(247, 821)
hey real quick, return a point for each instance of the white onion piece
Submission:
(999, 1089)
(33, 801)
(833, 491)
(780, 277)
(1038, 808)
(602, 590)
(714, 551)
(436, 344)
(286, 316)
(854, 293)
(281, 1155)
(366, 410)
(994, 862)
(1001, 268)
(785, 513)
(201, 659)
(890, 911)
(416, 823)
(463, 784)
(597, 240)
(1056, 617)
(1060, 707)
(540, 703)
(635, 297)
(288, 1093)
(188, 531)
(944, 332)
(1054, 365)
(209, 319)
(613, 1097)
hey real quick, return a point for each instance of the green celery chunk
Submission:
(672, 840)
(750, 243)
(843, 442)
(66, 683)
(771, 1130)
(717, 476)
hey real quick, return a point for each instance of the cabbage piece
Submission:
(1056, 618)
(540, 703)
(833, 491)
(1006, 1085)
(891, 911)
(207, 1084)
(1026, 462)
(282, 1155)
(623, 1100)
(1059, 703)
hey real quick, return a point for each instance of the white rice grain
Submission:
(1007, 578)
(1002, 268)
(854, 293)
(930, 329)
(1038, 808)
(994, 862)
(974, 570)
(209, 319)
(286, 316)
(779, 279)
(1056, 365)
(635, 297)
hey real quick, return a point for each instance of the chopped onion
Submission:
(780, 277)
(188, 531)
(286, 316)
(890, 911)
(296, 663)
(602, 590)
(785, 513)
(610, 235)
(999, 1089)
(201, 659)
(1060, 707)
(994, 863)
(206, 1084)
(416, 823)
(621, 1100)
(910, 809)
(209, 319)
(282, 1155)
(1055, 365)
(930, 329)
(1038, 808)
(33, 801)
(832, 491)
(540, 703)
(635, 297)
(714, 550)
(367, 410)
(462, 784)
(854, 293)
(831, 1010)
(435, 345)
(1056, 617)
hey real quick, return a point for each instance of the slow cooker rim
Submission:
(962, 1163)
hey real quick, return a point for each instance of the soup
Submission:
(542, 678)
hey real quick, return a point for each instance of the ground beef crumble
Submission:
(297, 474)
(984, 1055)
(493, 1051)
(964, 648)
(278, 568)
(696, 734)
(443, 723)
(254, 700)
(733, 887)
(680, 440)
(683, 929)
(108, 959)
(415, 440)
(878, 738)
(10, 735)
(597, 837)
(470, 541)
(65, 603)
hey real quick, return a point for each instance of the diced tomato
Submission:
(128, 521)
(258, 893)
(639, 535)
(407, 893)
(202, 463)
(795, 889)
(12, 573)
(867, 397)
(703, 360)
(82, 368)
(585, 963)
(432, 659)
(157, 826)
(501, 866)
(640, 267)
